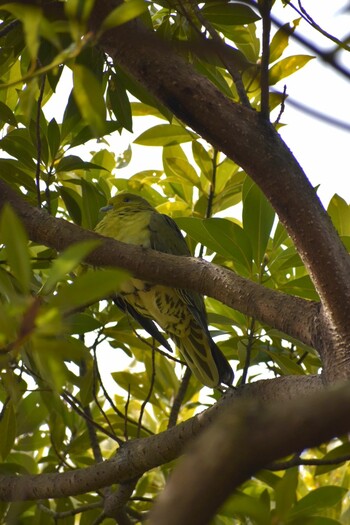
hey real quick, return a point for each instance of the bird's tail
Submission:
(204, 358)
(226, 374)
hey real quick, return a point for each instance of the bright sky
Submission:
(321, 149)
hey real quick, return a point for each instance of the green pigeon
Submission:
(179, 313)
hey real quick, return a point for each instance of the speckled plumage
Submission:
(180, 313)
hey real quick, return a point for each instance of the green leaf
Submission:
(13, 235)
(337, 452)
(203, 160)
(280, 39)
(82, 323)
(71, 117)
(124, 13)
(88, 93)
(339, 212)
(78, 9)
(73, 202)
(73, 162)
(31, 413)
(87, 385)
(67, 262)
(165, 135)
(16, 143)
(6, 115)
(280, 236)
(181, 171)
(46, 353)
(123, 159)
(105, 159)
(245, 39)
(31, 17)
(258, 218)
(53, 137)
(89, 288)
(140, 109)
(285, 492)
(7, 288)
(86, 133)
(26, 462)
(92, 202)
(247, 506)
(119, 101)
(302, 286)
(287, 365)
(220, 235)
(14, 173)
(229, 13)
(141, 93)
(287, 66)
(7, 429)
(320, 498)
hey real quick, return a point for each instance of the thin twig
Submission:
(150, 391)
(100, 519)
(298, 461)
(326, 56)
(211, 193)
(111, 402)
(97, 382)
(230, 67)
(38, 141)
(332, 121)
(175, 409)
(282, 108)
(61, 456)
(126, 433)
(115, 503)
(265, 9)
(68, 513)
(75, 405)
(308, 18)
(249, 351)
(95, 446)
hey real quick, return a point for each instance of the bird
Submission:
(178, 312)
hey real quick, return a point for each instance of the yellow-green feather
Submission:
(180, 314)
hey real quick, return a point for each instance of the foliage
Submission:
(59, 338)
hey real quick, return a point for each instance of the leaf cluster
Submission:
(79, 376)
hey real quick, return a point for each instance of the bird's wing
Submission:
(166, 237)
(146, 323)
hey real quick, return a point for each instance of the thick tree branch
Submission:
(255, 145)
(292, 315)
(140, 455)
(242, 441)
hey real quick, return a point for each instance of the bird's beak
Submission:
(106, 208)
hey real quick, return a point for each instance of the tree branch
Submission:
(140, 455)
(242, 441)
(292, 315)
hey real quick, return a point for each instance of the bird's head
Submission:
(127, 202)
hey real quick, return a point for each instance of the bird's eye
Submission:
(126, 199)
